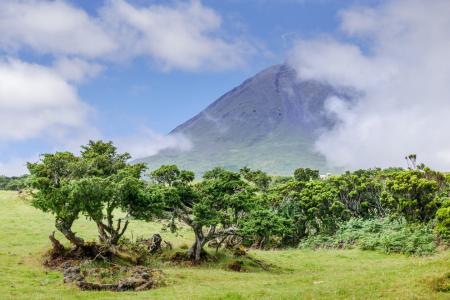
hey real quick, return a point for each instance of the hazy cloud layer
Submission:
(147, 143)
(405, 76)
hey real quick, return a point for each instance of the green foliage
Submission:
(263, 223)
(414, 195)
(277, 180)
(320, 205)
(216, 203)
(443, 217)
(305, 210)
(313, 207)
(380, 235)
(306, 175)
(15, 183)
(51, 178)
(214, 173)
(228, 193)
(359, 194)
(259, 178)
(165, 174)
(95, 185)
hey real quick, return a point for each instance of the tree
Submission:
(413, 194)
(283, 200)
(359, 194)
(94, 185)
(264, 224)
(52, 177)
(214, 173)
(165, 174)
(319, 203)
(107, 183)
(306, 174)
(258, 177)
(443, 217)
(212, 209)
(280, 180)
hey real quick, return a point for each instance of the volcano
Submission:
(270, 122)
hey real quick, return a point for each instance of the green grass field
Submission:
(346, 274)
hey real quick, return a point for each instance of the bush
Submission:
(280, 180)
(381, 235)
(234, 265)
(184, 246)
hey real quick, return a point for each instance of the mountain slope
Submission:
(269, 122)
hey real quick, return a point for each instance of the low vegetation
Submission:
(149, 229)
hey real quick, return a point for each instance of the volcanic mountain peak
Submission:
(269, 122)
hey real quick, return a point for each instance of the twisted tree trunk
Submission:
(58, 249)
(114, 233)
(196, 249)
(65, 228)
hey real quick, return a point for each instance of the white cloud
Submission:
(52, 27)
(181, 35)
(76, 69)
(42, 102)
(16, 166)
(36, 101)
(148, 143)
(184, 36)
(405, 78)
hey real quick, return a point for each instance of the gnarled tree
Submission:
(52, 178)
(213, 208)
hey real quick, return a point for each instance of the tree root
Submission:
(259, 262)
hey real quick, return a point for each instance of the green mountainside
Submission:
(269, 122)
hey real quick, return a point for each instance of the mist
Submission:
(403, 70)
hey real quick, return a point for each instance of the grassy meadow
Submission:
(346, 274)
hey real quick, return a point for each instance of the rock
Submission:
(141, 279)
(318, 282)
(73, 274)
(126, 284)
(145, 286)
(47, 281)
(65, 265)
(92, 286)
(156, 243)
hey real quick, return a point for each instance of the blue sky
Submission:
(131, 71)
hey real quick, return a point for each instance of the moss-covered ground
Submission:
(346, 274)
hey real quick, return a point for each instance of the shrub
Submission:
(380, 235)
(234, 265)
